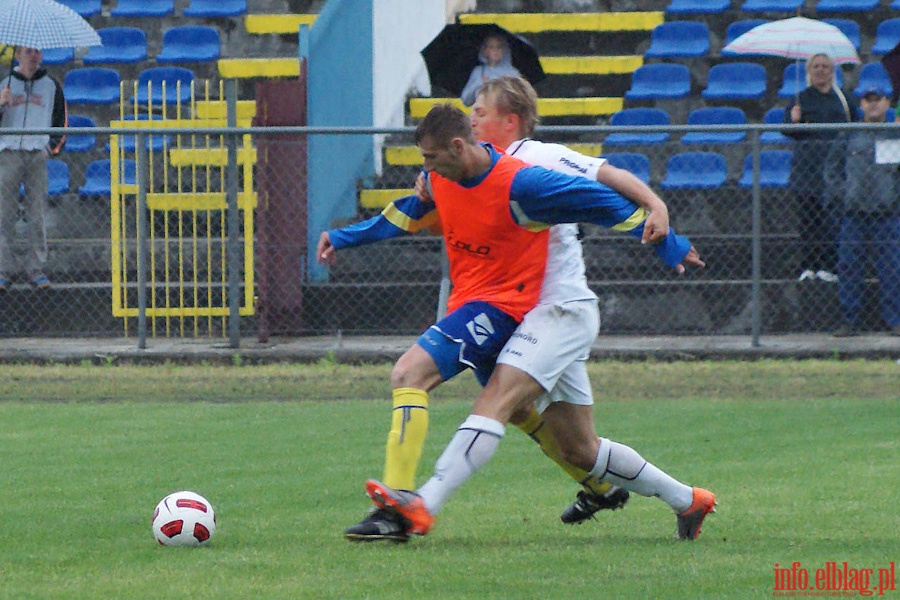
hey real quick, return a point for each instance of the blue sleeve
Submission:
(400, 217)
(539, 198)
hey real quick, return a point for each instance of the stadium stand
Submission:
(636, 163)
(872, 74)
(216, 8)
(97, 178)
(169, 85)
(85, 8)
(144, 8)
(887, 36)
(128, 143)
(92, 85)
(57, 177)
(190, 43)
(735, 81)
(659, 81)
(679, 39)
(846, 5)
(80, 143)
(715, 115)
(120, 45)
(275, 23)
(547, 107)
(849, 28)
(774, 169)
(697, 7)
(739, 28)
(695, 170)
(772, 6)
(774, 116)
(58, 56)
(635, 117)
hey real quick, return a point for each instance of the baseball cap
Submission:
(876, 90)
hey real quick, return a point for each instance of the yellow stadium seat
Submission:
(537, 22)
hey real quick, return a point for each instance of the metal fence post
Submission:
(233, 252)
(142, 171)
(756, 248)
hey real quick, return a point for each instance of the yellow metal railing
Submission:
(186, 270)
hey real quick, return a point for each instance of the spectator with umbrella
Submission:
(494, 62)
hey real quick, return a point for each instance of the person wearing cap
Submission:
(870, 220)
(815, 166)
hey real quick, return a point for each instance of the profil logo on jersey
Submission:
(473, 249)
(481, 328)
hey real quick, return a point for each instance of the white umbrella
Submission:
(796, 38)
(44, 24)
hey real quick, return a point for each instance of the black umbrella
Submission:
(451, 56)
(891, 63)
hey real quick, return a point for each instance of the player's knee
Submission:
(412, 371)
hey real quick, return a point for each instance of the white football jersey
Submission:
(564, 280)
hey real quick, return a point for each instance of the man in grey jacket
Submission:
(29, 99)
(870, 224)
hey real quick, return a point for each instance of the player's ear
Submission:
(458, 145)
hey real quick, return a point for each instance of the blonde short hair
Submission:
(515, 96)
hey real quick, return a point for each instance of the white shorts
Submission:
(552, 344)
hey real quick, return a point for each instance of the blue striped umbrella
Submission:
(797, 38)
(44, 24)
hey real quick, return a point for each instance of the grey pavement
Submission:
(356, 349)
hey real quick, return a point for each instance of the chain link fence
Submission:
(768, 233)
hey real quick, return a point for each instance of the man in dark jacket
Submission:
(29, 99)
(870, 223)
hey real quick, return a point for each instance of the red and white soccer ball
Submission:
(184, 519)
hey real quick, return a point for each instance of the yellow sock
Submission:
(409, 424)
(533, 425)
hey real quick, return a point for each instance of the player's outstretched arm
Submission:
(656, 225)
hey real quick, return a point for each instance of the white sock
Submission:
(471, 447)
(621, 465)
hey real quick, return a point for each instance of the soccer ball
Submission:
(184, 519)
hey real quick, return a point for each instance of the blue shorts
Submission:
(471, 337)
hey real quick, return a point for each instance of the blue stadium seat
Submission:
(846, 5)
(128, 143)
(58, 56)
(735, 81)
(216, 8)
(92, 85)
(170, 76)
(80, 143)
(189, 43)
(635, 163)
(659, 81)
(120, 45)
(784, 6)
(715, 115)
(85, 8)
(794, 79)
(774, 169)
(57, 177)
(679, 39)
(144, 8)
(774, 116)
(695, 171)
(849, 28)
(697, 7)
(895, 5)
(638, 116)
(872, 74)
(739, 28)
(887, 35)
(97, 177)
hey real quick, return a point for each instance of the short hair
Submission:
(808, 68)
(443, 123)
(514, 96)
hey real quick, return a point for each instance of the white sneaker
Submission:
(826, 276)
(807, 274)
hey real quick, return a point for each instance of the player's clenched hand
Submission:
(692, 259)
(421, 189)
(325, 251)
(656, 226)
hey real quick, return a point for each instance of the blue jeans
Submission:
(878, 237)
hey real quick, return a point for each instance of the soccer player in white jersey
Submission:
(543, 362)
